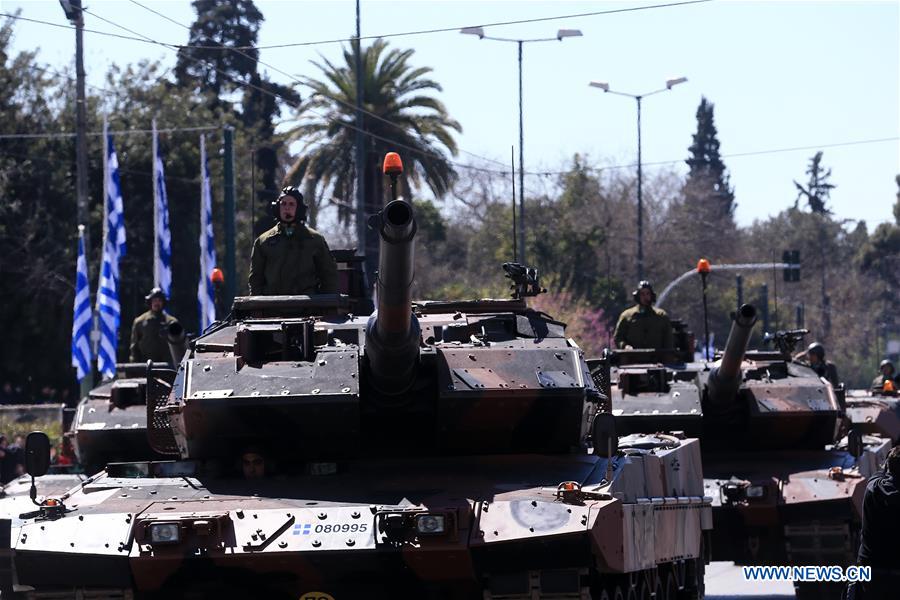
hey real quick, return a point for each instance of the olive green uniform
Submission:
(644, 327)
(291, 261)
(149, 337)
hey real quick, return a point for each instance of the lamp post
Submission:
(560, 35)
(670, 83)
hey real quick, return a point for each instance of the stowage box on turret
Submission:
(430, 450)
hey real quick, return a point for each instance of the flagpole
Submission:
(105, 180)
(87, 382)
(155, 209)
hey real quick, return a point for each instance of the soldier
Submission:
(880, 532)
(815, 358)
(150, 331)
(291, 258)
(643, 326)
(253, 463)
(886, 373)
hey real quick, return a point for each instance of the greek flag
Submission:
(162, 271)
(81, 319)
(205, 293)
(113, 250)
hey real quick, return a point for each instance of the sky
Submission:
(782, 75)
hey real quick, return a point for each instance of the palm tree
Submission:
(398, 117)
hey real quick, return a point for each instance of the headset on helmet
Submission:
(817, 349)
(643, 284)
(155, 293)
(294, 193)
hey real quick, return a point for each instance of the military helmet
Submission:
(817, 349)
(884, 363)
(155, 293)
(643, 284)
(294, 193)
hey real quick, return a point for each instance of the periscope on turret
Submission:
(433, 449)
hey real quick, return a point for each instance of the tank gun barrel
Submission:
(725, 379)
(393, 334)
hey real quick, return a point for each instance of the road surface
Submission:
(724, 581)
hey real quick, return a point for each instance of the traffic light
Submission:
(791, 258)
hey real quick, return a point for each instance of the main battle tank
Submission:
(785, 479)
(876, 411)
(430, 450)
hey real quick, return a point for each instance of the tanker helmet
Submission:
(294, 193)
(637, 292)
(155, 293)
(816, 349)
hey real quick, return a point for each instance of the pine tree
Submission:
(708, 184)
(818, 189)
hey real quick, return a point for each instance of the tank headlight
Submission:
(756, 491)
(165, 533)
(430, 524)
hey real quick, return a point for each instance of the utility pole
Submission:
(360, 148)
(74, 14)
(230, 267)
(521, 164)
(640, 202)
(604, 85)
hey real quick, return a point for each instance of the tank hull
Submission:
(296, 534)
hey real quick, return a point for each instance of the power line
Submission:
(14, 136)
(386, 35)
(239, 50)
(456, 29)
(735, 155)
(281, 97)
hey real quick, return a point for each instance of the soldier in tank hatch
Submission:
(643, 325)
(291, 258)
(886, 374)
(150, 331)
(815, 358)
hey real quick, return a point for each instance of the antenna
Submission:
(775, 289)
(512, 156)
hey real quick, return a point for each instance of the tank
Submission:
(785, 473)
(430, 450)
(875, 411)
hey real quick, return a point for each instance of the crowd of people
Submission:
(12, 393)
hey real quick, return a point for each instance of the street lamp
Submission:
(670, 83)
(560, 35)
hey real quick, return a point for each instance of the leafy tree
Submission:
(209, 63)
(708, 185)
(818, 189)
(399, 118)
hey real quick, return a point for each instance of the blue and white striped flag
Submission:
(162, 269)
(205, 292)
(81, 318)
(113, 250)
